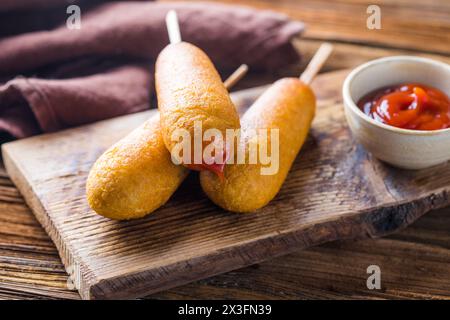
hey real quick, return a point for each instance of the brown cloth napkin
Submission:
(71, 77)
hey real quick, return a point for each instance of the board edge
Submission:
(366, 224)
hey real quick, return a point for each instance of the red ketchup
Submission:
(216, 168)
(408, 106)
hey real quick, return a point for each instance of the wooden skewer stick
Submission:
(316, 63)
(173, 27)
(237, 75)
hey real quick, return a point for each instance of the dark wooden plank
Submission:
(411, 268)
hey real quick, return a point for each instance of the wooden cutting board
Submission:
(335, 190)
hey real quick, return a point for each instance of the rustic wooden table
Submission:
(414, 262)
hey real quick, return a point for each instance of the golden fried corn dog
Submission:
(189, 91)
(135, 176)
(288, 105)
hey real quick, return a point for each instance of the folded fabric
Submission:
(58, 104)
(63, 93)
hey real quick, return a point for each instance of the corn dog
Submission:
(289, 106)
(189, 91)
(135, 176)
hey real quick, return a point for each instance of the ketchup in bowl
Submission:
(408, 106)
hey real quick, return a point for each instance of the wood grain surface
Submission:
(405, 24)
(414, 264)
(190, 238)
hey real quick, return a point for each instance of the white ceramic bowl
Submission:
(408, 149)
